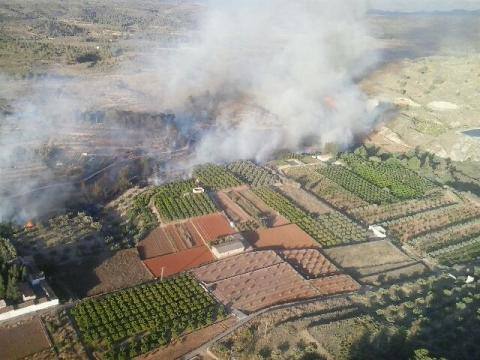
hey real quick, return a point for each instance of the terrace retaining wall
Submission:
(28, 309)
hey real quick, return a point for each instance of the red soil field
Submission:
(236, 265)
(335, 284)
(281, 237)
(182, 236)
(309, 262)
(262, 288)
(179, 261)
(212, 227)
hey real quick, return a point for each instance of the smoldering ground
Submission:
(254, 77)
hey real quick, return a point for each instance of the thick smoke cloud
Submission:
(255, 77)
(268, 73)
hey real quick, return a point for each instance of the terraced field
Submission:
(325, 188)
(262, 288)
(402, 182)
(357, 185)
(252, 174)
(176, 201)
(375, 214)
(335, 284)
(214, 177)
(328, 230)
(309, 262)
(409, 227)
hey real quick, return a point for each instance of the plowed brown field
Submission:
(335, 284)
(262, 288)
(212, 227)
(282, 237)
(309, 262)
(180, 261)
(236, 265)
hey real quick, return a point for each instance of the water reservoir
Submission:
(473, 133)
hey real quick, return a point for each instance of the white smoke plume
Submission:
(255, 77)
(269, 73)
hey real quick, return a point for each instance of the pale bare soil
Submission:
(375, 262)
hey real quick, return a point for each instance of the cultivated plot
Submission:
(22, 340)
(375, 262)
(309, 262)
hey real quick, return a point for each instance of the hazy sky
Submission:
(425, 5)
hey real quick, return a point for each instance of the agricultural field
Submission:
(328, 230)
(61, 239)
(261, 215)
(413, 320)
(211, 227)
(375, 214)
(253, 174)
(264, 287)
(375, 262)
(24, 339)
(344, 229)
(189, 342)
(459, 253)
(214, 177)
(134, 321)
(325, 189)
(240, 217)
(293, 214)
(171, 264)
(184, 235)
(407, 228)
(311, 263)
(356, 184)
(451, 235)
(169, 239)
(335, 284)
(288, 236)
(176, 201)
(402, 182)
(304, 199)
(435, 311)
(256, 280)
(173, 248)
(236, 265)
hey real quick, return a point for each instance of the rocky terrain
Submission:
(437, 101)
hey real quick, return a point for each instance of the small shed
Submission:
(378, 231)
(228, 246)
(27, 292)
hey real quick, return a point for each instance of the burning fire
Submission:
(29, 225)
